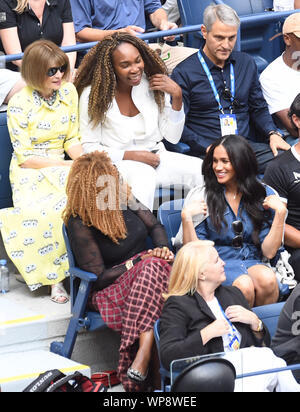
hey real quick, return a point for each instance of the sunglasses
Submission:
(227, 95)
(238, 228)
(53, 70)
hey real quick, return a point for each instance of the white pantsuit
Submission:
(145, 131)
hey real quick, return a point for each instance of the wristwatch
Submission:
(274, 132)
(129, 264)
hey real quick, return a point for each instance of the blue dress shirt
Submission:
(202, 126)
(111, 14)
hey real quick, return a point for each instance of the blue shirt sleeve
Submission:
(151, 6)
(82, 12)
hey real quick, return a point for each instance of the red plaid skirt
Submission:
(131, 305)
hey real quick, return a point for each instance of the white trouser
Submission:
(178, 170)
(254, 359)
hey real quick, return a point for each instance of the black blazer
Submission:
(183, 317)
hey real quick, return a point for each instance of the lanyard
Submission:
(212, 83)
(233, 328)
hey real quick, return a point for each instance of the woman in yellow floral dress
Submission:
(43, 125)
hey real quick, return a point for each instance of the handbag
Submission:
(284, 271)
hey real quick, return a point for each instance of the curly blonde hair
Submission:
(97, 71)
(96, 193)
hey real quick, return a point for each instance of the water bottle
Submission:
(4, 276)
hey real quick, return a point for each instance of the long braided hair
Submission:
(96, 193)
(96, 70)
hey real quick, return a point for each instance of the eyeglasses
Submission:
(227, 95)
(53, 70)
(238, 229)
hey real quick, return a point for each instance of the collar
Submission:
(63, 96)
(211, 65)
(49, 3)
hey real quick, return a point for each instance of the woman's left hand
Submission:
(162, 253)
(237, 313)
(274, 202)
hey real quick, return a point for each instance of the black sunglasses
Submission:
(238, 229)
(227, 95)
(53, 70)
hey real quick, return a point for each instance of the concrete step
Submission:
(30, 321)
(19, 369)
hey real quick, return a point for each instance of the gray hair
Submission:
(220, 12)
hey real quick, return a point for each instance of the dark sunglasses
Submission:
(53, 70)
(238, 229)
(227, 95)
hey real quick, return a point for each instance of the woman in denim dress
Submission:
(245, 221)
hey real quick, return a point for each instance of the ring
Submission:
(165, 248)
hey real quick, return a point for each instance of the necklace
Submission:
(51, 99)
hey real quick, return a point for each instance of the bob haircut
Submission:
(190, 261)
(38, 58)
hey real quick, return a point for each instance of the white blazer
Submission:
(115, 137)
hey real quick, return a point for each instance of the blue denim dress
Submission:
(237, 260)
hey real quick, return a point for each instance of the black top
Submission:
(56, 13)
(94, 252)
(286, 342)
(283, 174)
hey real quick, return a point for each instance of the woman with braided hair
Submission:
(107, 228)
(128, 104)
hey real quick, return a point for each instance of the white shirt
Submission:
(119, 133)
(219, 314)
(280, 85)
(282, 5)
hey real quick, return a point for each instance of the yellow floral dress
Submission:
(32, 229)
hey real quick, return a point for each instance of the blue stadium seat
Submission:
(80, 286)
(5, 157)
(169, 214)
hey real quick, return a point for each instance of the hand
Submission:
(165, 84)
(132, 30)
(274, 202)
(277, 142)
(162, 253)
(196, 207)
(219, 328)
(143, 156)
(237, 313)
(167, 25)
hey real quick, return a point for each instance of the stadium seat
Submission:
(80, 286)
(169, 214)
(5, 157)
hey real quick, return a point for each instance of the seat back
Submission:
(169, 215)
(5, 157)
(269, 314)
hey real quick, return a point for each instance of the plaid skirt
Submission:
(131, 305)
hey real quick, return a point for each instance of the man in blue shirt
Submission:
(95, 19)
(222, 93)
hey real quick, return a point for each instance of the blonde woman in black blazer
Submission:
(200, 316)
(188, 326)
